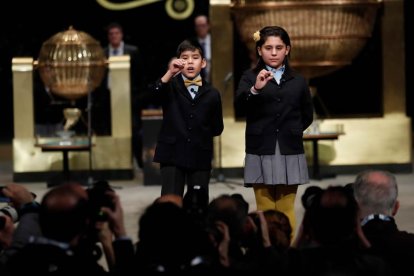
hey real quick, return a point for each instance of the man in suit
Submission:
(202, 30)
(117, 47)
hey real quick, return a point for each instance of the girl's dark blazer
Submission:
(279, 112)
(189, 125)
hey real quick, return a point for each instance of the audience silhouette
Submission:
(346, 230)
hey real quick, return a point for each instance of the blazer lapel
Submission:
(202, 90)
(181, 87)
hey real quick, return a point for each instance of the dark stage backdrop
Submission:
(26, 24)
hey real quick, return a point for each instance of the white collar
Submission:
(277, 73)
(206, 40)
(375, 216)
(120, 49)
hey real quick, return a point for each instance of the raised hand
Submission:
(262, 78)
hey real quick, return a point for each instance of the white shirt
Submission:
(192, 89)
(277, 73)
(119, 50)
(206, 44)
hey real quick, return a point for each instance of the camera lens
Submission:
(10, 212)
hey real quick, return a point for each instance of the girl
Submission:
(278, 107)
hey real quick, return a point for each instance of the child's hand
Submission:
(262, 78)
(176, 65)
(174, 68)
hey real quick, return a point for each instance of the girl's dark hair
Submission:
(189, 45)
(271, 31)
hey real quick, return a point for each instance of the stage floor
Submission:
(135, 196)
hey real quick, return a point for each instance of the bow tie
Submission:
(196, 81)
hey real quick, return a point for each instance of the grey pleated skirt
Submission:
(275, 169)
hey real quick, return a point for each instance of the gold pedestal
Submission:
(111, 155)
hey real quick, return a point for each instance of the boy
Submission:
(192, 116)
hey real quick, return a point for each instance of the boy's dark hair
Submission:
(189, 45)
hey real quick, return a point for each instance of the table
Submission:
(65, 146)
(316, 174)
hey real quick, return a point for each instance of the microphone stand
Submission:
(89, 107)
(221, 178)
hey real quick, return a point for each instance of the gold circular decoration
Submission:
(179, 9)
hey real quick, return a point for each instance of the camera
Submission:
(10, 212)
(98, 198)
(195, 203)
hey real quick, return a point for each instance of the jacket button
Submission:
(191, 116)
(188, 140)
(278, 115)
(192, 104)
(190, 128)
(277, 130)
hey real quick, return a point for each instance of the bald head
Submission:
(64, 212)
(376, 192)
(65, 196)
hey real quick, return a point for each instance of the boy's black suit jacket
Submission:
(189, 125)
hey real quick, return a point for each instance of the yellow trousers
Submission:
(277, 197)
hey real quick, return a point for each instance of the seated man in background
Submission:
(376, 192)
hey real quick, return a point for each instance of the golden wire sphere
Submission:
(71, 63)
